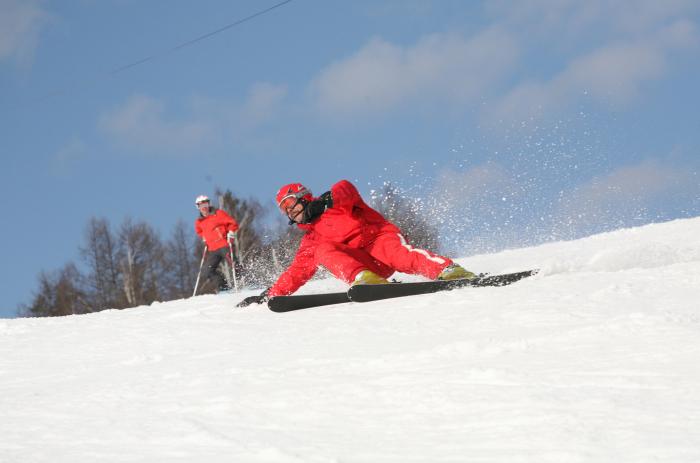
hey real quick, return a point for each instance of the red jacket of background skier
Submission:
(349, 221)
(214, 228)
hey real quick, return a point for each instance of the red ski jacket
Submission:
(214, 227)
(349, 221)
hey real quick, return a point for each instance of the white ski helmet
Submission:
(201, 199)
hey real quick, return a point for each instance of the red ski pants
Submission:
(387, 254)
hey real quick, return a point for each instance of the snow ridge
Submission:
(595, 359)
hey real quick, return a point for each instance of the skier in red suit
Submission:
(217, 229)
(350, 239)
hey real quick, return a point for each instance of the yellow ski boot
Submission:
(368, 277)
(455, 272)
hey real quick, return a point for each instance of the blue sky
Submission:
(513, 122)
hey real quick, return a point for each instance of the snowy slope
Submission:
(597, 359)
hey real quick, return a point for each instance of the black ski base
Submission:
(304, 301)
(368, 293)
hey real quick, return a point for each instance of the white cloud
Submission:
(382, 76)
(20, 24)
(68, 156)
(630, 192)
(144, 124)
(617, 72)
(565, 19)
(246, 122)
(614, 74)
(262, 105)
(614, 50)
(141, 124)
(634, 183)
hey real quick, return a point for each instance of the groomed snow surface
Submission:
(597, 359)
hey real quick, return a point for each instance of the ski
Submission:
(368, 293)
(305, 301)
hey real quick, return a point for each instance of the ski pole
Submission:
(196, 284)
(233, 267)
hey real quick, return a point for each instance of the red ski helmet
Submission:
(289, 195)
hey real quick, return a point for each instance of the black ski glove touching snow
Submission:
(261, 298)
(318, 206)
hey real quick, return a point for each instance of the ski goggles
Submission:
(292, 199)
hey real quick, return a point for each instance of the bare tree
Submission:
(181, 263)
(248, 213)
(59, 294)
(140, 257)
(99, 253)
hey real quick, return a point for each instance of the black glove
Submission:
(317, 207)
(261, 298)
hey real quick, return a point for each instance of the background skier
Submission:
(350, 239)
(217, 229)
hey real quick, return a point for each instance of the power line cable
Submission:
(176, 48)
(198, 39)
